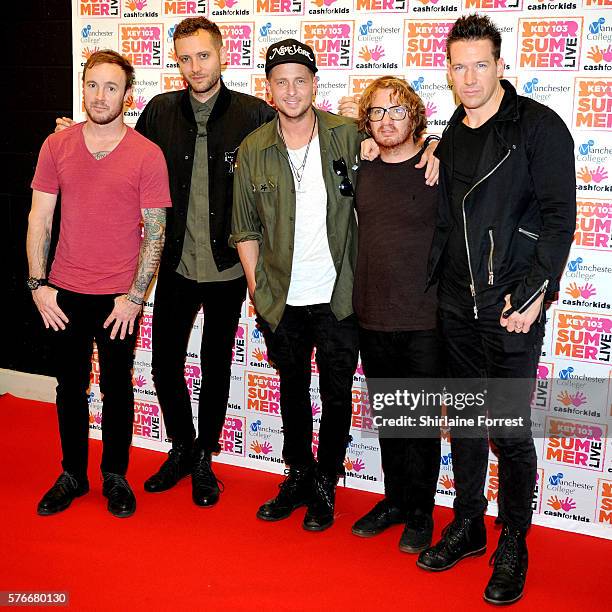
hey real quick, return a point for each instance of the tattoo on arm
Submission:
(150, 250)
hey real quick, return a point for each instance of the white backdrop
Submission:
(559, 53)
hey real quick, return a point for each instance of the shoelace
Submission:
(451, 535)
(172, 463)
(324, 488)
(506, 557)
(115, 481)
(202, 470)
(67, 481)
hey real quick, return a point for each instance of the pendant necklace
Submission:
(298, 172)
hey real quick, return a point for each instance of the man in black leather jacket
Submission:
(199, 130)
(505, 224)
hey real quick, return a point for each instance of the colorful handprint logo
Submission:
(566, 504)
(569, 399)
(136, 5)
(447, 482)
(598, 55)
(260, 355)
(139, 381)
(316, 409)
(581, 291)
(320, 3)
(87, 52)
(376, 53)
(354, 465)
(596, 175)
(324, 105)
(430, 109)
(260, 448)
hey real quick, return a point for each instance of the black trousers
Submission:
(410, 466)
(73, 348)
(482, 348)
(177, 301)
(289, 348)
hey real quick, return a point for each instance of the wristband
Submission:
(429, 140)
(134, 300)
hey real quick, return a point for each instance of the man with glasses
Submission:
(397, 318)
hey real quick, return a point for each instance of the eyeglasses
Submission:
(346, 187)
(376, 113)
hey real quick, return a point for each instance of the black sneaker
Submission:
(417, 533)
(320, 513)
(61, 494)
(295, 491)
(205, 489)
(121, 500)
(510, 563)
(460, 539)
(382, 516)
(176, 466)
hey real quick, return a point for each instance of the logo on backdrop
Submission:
(223, 8)
(239, 42)
(494, 5)
(141, 44)
(172, 82)
(603, 508)
(582, 336)
(549, 44)
(382, 6)
(425, 43)
(597, 50)
(184, 8)
(593, 224)
(436, 6)
(239, 350)
(279, 7)
(575, 443)
(361, 412)
(593, 104)
(147, 420)
(138, 9)
(143, 340)
(193, 378)
(98, 8)
(232, 436)
(332, 43)
(262, 393)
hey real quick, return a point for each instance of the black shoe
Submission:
(509, 568)
(176, 466)
(121, 500)
(205, 488)
(61, 494)
(462, 538)
(295, 491)
(417, 533)
(320, 513)
(382, 516)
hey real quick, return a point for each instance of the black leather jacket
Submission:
(168, 121)
(519, 216)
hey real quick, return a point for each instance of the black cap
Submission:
(290, 51)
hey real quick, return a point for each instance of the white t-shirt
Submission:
(313, 274)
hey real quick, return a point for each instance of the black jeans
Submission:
(289, 349)
(410, 466)
(72, 359)
(177, 301)
(482, 348)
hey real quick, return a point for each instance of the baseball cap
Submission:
(290, 51)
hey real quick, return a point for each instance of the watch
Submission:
(35, 283)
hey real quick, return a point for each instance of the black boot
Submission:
(417, 533)
(204, 484)
(462, 538)
(509, 568)
(382, 516)
(121, 500)
(176, 466)
(320, 513)
(295, 491)
(61, 494)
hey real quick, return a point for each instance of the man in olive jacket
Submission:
(295, 231)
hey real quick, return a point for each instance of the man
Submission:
(505, 225)
(295, 231)
(397, 319)
(110, 178)
(199, 130)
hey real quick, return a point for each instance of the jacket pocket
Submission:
(529, 234)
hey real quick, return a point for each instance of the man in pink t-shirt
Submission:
(113, 183)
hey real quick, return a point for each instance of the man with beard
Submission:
(397, 318)
(110, 178)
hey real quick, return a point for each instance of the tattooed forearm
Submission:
(150, 250)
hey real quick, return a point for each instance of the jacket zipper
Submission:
(541, 289)
(531, 235)
(465, 235)
(491, 250)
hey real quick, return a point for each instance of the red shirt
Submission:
(100, 230)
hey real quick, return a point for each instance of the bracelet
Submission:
(429, 140)
(134, 300)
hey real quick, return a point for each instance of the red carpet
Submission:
(172, 555)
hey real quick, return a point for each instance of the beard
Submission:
(205, 85)
(391, 139)
(103, 117)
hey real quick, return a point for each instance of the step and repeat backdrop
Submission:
(556, 52)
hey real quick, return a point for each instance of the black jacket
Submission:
(168, 121)
(520, 214)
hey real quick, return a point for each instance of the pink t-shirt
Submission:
(100, 230)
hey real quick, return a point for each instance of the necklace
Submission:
(298, 172)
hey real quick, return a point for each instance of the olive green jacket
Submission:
(264, 210)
